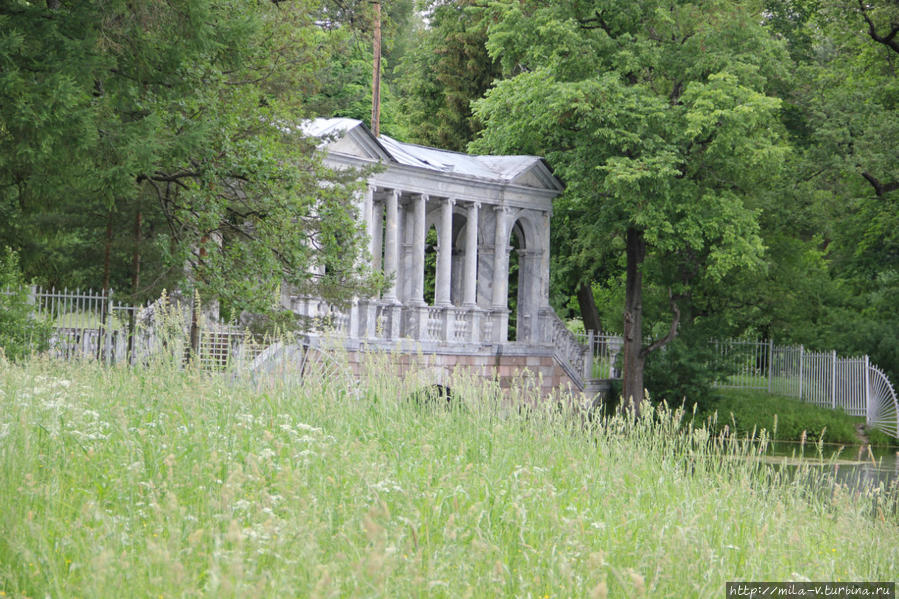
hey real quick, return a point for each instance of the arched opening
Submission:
(516, 282)
(430, 288)
(436, 396)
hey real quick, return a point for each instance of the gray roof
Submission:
(497, 168)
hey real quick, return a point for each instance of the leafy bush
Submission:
(747, 410)
(683, 371)
(21, 332)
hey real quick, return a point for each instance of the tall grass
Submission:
(161, 482)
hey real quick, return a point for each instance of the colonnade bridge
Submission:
(474, 231)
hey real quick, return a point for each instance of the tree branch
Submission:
(889, 40)
(881, 189)
(672, 332)
(595, 22)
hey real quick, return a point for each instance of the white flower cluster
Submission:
(62, 409)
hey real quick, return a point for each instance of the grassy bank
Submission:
(118, 483)
(786, 418)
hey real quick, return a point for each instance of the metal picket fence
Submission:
(86, 323)
(602, 354)
(91, 324)
(824, 379)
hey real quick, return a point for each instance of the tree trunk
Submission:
(587, 304)
(634, 358)
(101, 336)
(135, 259)
(135, 281)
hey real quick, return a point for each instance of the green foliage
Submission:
(684, 371)
(344, 83)
(448, 69)
(745, 410)
(189, 113)
(833, 234)
(21, 332)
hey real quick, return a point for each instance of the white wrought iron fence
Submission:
(602, 354)
(86, 323)
(824, 379)
(91, 324)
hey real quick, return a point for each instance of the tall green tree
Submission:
(657, 116)
(344, 82)
(187, 112)
(850, 94)
(447, 69)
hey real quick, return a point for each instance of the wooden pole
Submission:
(376, 75)
(106, 268)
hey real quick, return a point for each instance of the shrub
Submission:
(683, 371)
(21, 332)
(747, 410)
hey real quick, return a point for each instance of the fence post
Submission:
(588, 361)
(194, 330)
(770, 365)
(868, 407)
(801, 353)
(833, 381)
(132, 321)
(101, 330)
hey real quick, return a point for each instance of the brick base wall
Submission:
(510, 371)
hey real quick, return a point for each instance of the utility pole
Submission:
(376, 75)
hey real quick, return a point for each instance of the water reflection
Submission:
(869, 473)
(853, 469)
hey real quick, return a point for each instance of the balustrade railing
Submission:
(434, 331)
(568, 348)
(462, 325)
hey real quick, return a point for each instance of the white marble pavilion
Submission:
(483, 208)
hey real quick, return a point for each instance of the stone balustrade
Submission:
(374, 321)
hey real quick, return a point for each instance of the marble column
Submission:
(418, 250)
(500, 301)
(469, 297)
(368, 217)
(377, 238)
(500, 261)
(391, 251)
(445, 254)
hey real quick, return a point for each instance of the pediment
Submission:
(348, 137)
(537, 174)
(360, 143)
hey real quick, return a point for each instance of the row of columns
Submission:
(374, 211)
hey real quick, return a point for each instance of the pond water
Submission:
(851, 467)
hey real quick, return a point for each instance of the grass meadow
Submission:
(160, 482)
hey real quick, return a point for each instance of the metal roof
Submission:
(497, 168)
